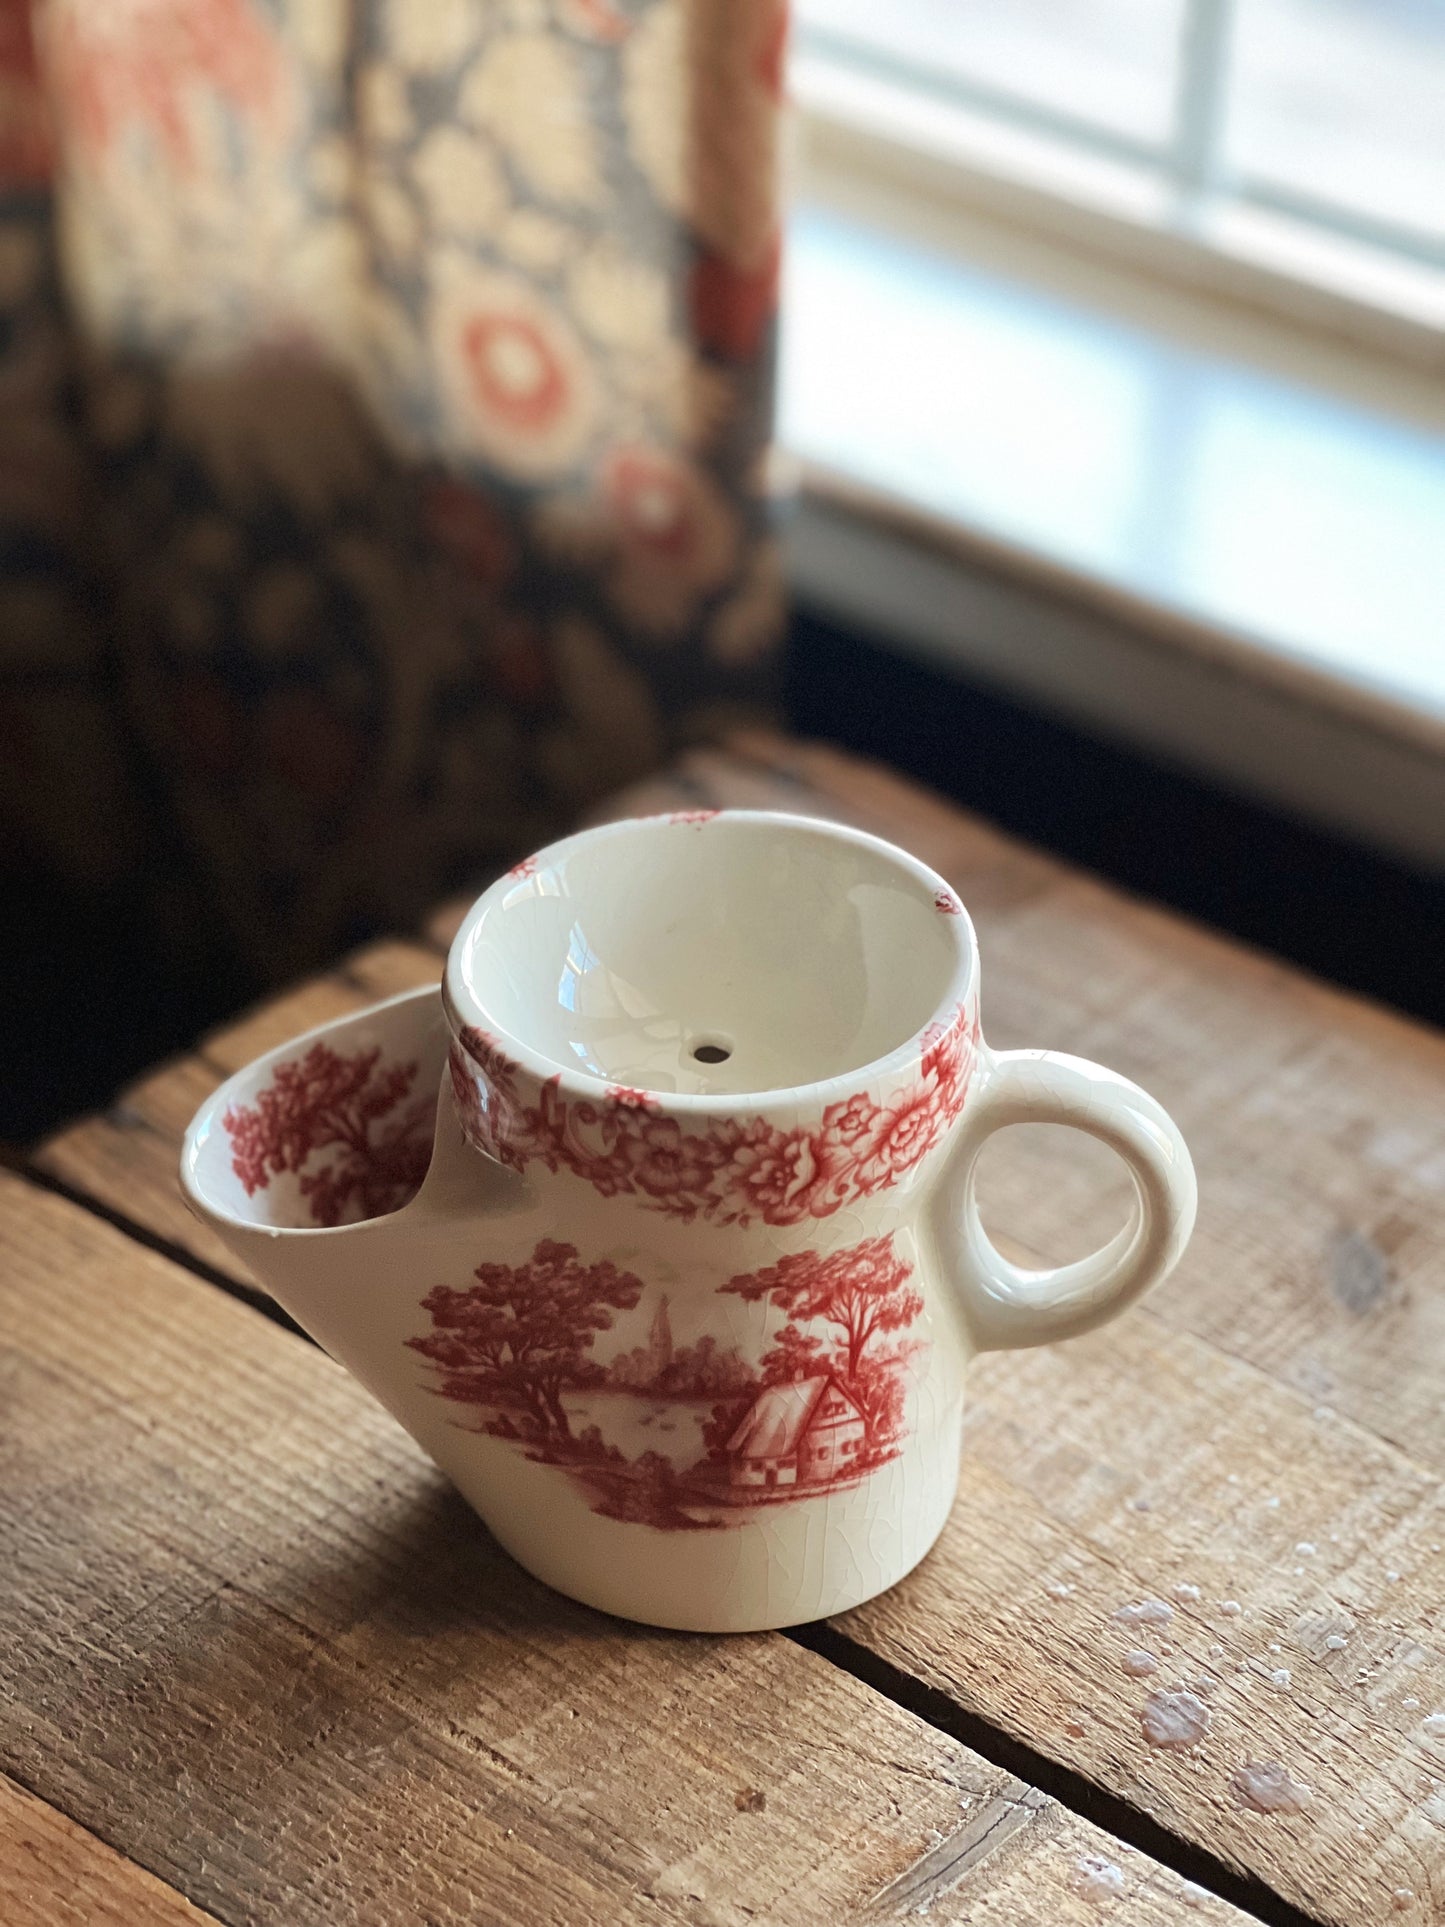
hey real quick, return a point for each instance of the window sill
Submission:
(1180, 523)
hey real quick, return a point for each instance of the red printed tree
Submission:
(326, 1101)
(881, 1390)
(863, 1292)
(794, 1354)
(523, 1333)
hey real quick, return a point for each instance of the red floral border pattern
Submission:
(735, 1170)
(153, 66)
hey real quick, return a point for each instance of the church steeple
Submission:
(660, 1343)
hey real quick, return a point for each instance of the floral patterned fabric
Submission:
(392, 476)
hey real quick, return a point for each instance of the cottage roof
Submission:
(774, 1424)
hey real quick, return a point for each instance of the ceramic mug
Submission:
(679, 1280)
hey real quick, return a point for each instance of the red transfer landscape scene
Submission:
(577, 1365)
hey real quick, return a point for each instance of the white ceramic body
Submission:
(691, 1337)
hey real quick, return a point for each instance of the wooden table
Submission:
(260, 1664)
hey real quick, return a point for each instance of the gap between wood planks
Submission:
(251, 1295)
(1069, 1789)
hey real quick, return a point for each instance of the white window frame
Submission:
(1172, 212)
(1183, 260)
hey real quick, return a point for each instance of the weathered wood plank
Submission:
(124, 1158)
(1298, 1558)
(385, 969)
(300, 1008)
(55, 1874)
(248, 1635)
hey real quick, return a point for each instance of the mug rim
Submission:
(464, 1011)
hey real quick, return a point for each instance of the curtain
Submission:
(384, 469)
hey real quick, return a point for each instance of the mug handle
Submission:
(1005, 1306)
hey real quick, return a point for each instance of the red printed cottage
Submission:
(805, 1432)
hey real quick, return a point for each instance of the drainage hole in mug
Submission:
(711, 1050)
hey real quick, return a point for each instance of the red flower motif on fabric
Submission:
(731, 1171)
(732, 306)
(145, 65)
(771, 60)
(24, 126)
(518, 378)
(354, 1106)
(596, 20)
(650, 496)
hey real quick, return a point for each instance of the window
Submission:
(1111, 347)
(1300, 140)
